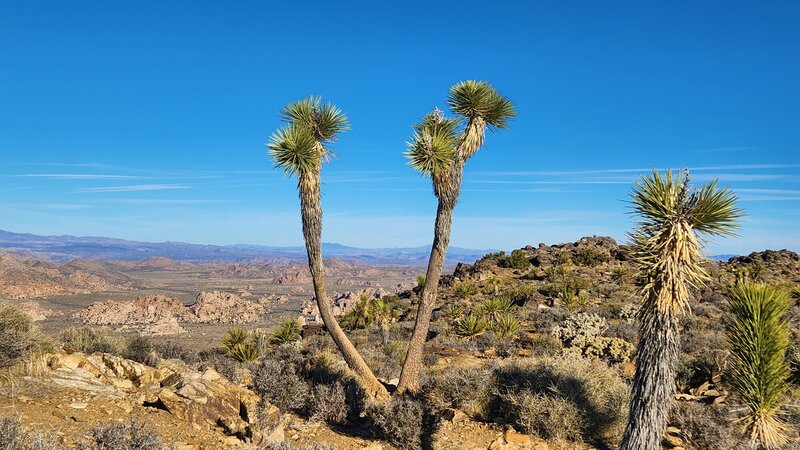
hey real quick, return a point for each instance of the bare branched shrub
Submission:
(133, 435)
(705, 427)
(327, 403)
(399, 421)
(279, 384)
(14, 437)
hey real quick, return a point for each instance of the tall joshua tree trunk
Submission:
(653, 385)
(311, 212)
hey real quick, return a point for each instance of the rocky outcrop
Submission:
(143, 310)
(224, 307)
(205, 399)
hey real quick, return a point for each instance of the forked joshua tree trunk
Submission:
(409, 377)
(311, 212)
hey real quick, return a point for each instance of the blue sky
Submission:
(147, 120)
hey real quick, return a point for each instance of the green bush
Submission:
(563, 397)
(90, 340)
(590, 258)
(16, 335)
(517, 260)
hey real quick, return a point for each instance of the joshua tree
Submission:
(299, 148)
(668, 252)
(758, 335)
(438, 150)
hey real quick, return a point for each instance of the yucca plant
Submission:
(493, 308)
(300, 148)
(234, 336)
(453, 312)
(470, 326)
(758, 336)
(439, 148)
(287, 331)
(245, 352)
(505, 326)
(668, 253)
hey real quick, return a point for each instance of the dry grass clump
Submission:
(467, 389)
(14, 437)
(562, 397)
(328, 403)
(705, 427)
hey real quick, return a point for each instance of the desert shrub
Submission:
(469, 326)
(328, 403)
(90, 340)
(287, 331)
(16, 335)
(133, 435)
(707, 427)
(494, 255)
(467, 389)
(628, 312)
(400, 421)
(14, 437)
(517, 260)
(279, 384)
(562, 397)
(141, 350)
(758, 333)
(590, 258)
(420, 280)
(540, 344)
(581, 332)
(169, 350)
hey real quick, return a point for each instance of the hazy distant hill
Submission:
(65, 248)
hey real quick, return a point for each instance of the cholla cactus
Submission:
(581, 334)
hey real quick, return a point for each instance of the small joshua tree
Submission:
(758, 335)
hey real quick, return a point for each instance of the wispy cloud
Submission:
(556, 173)
(136, 188)
(80, 176)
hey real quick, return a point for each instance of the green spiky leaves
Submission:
(758, 335)
(433, 144)
(670, 213)
(299, 146)
(478, 99)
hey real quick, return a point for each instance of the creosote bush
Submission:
(16, 335)
(90, 340)
(517, 260)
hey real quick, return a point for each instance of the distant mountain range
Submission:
(65, 248)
